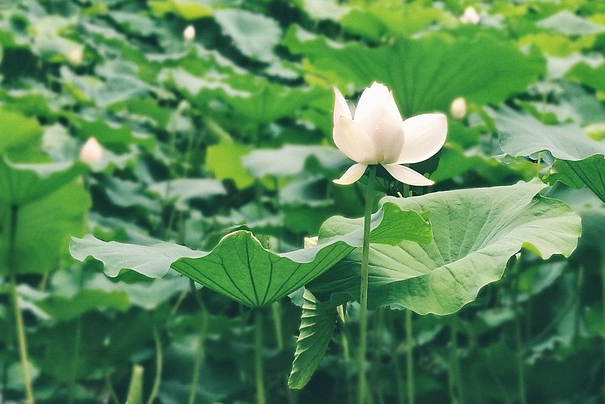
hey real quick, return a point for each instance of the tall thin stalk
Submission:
(21, 338)
(363, 290)
(199, 350)
(258, 357)
(409, 358)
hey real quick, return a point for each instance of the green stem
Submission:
(258, 357)
(409, 358)
(456, 386)
(279, 335)
(518, 337)
(344, 341)
(603, 280)
(159, 362)
(199, 350)
(363, 290)
(21, 338)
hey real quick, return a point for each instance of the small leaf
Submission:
(576, 174)
(315, 332)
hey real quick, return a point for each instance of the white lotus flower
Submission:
(189, 33)
(378, 135)
(92, 151)
(458, 108)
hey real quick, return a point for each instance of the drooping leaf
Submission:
(576, 174)
(476, 231)
(153, 261)
(240, 267)
(24, 183)
(315, 331)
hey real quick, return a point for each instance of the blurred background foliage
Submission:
(232, 129)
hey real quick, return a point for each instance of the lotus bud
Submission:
(458, 108)
(189, 33)
(470, 16)
(91, 152)
(310, 242)
(76, 56)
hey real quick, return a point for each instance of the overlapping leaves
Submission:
(240, 267)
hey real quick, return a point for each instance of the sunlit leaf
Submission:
(476, 232)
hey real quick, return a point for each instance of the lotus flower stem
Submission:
(12, 270)
(258, 357)
(409, 338)
(363, 290)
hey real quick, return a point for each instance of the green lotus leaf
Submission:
(25, 183)
(476, 232)
(239, 267)
(315, 332)
(430, 72)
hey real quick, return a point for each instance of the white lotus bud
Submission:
(310, 242)
(458, 108)
(470, 16)
(76, 56)
(91, 152)
(189, 33)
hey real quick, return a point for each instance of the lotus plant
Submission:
(376, 134)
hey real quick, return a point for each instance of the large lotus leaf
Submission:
(254, 34)
(241, 268)
(153, 261)
(580, 159)
(523, 135)
(315, 332)
(476, 231)
(44, 226)
(290, 160)
(425, 74)
(21, 184)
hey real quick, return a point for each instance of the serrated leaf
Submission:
(476, 231)
(315, 331)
